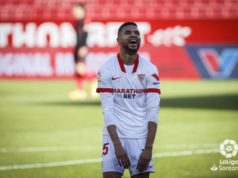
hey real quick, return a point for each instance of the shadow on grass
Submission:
(69, 103)
(227, 102)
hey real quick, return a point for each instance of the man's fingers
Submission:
(127, 162)
(139, 164)
(125, 165)
(124, 161)
(147, 164)
(119, 161)
(142, 164)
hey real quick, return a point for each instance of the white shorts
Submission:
(132, 146)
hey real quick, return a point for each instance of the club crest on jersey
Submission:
(141, 77)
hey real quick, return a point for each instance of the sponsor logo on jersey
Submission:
(115, 78)
(129, 93)
(134, 91)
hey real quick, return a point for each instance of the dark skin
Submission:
(128, 50)
(129, 42)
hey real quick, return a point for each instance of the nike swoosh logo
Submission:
(114, 78)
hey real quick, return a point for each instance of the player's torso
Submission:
(129, 97)
(128, 87)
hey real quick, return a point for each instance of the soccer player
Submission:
(129, 88)
(82, 76)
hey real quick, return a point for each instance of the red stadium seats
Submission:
(121, 9)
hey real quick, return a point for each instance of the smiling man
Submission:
(129, 88)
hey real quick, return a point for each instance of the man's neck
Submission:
(128, 59)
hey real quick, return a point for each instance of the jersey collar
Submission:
(122, 66)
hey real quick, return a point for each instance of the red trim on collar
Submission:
(122, 65)
(136, 64)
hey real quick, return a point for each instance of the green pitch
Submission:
(44, 135)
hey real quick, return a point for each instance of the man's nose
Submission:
(133, 35)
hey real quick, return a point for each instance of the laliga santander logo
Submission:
(228, 148)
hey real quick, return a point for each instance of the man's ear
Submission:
(118, 40)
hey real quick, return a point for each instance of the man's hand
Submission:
(146, 154)
(144, 159)
(119, 150)
(122, 156)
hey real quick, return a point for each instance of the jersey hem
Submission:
(127, 137)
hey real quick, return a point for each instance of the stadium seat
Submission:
(101, 9)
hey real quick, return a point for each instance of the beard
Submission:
(131, 50)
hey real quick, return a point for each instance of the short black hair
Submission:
(125, 24)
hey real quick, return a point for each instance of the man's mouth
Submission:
(133, 44)
(132, 41)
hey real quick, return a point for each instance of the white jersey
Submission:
(129, 96)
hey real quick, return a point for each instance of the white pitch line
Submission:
(47, 149)
(51, 164)
(185, 153)
(187, 146)
(90, 148)
(98, 160)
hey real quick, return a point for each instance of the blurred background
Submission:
(51, 50)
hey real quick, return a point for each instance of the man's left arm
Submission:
(146, 155)
(152, 106)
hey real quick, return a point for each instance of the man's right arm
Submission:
(121, 154)
(105, 90)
